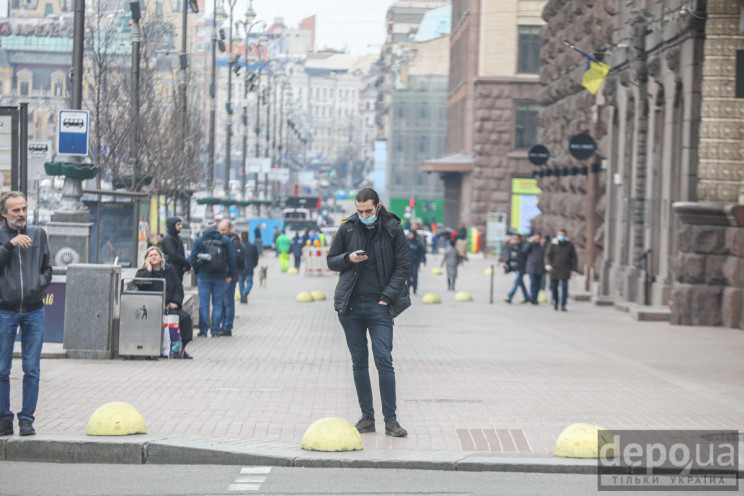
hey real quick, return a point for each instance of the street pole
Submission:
(136, 41)
(258, 114)
(228, 154)
(212, 103)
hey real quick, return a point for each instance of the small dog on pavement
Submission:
(262, 276)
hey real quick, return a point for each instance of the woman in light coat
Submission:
(451, 259)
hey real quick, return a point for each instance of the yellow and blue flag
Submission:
(595, 74)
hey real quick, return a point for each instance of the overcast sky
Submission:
(357, 25)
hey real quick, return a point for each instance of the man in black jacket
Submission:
(25, 273)
(516, 261)
(172, 246)
(370, 251)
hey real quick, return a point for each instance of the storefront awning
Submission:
(458, 162)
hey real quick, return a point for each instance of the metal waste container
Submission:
(141, 319)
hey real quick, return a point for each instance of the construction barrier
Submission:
(314, 261)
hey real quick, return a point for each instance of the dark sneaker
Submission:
(365, 424)
(563, 309)
(224, 333)
(6, 428)
(508, 300)
(394, 429)
(26, 428)
(187, 356)
(202, 334)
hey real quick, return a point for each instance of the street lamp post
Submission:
(136, 41)
(259, 53)
(231, 61)
(212, 96)
(250, 15)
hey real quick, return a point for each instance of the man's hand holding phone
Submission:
(357, 256)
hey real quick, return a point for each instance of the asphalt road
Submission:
(49, 479)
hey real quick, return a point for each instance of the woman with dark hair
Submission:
(370, 251)
(154, 267)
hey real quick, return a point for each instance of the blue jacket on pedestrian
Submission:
(199, 248)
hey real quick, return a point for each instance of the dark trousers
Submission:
(536, 283)
(371, 316)
(413, 276)
(564, 291)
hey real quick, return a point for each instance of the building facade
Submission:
(491, 108)
(666, 207)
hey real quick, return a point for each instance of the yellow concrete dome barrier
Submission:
(436, 271)
(318, 295)
(431, 298)
(463, 296)
(585, 441)
(489, 271)
(305, 297)
(116, 419)
(332, 434)
(292, 270)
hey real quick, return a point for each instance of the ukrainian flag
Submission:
(595, 74)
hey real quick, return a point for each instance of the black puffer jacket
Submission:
(173, 285)
(393, 262)
(173, 246)
(25, 273)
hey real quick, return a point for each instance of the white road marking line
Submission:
(255, 470)
(244, 487)
(252, 479)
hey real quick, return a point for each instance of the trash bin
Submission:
(140, 319)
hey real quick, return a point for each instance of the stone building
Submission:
(419, 121)
(663, 211)
(492, 107)
(573, 202)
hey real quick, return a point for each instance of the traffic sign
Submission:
(538, 155)
(582, 146)
(257, 165)
(72, 132)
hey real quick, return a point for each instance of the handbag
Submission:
(172, 343)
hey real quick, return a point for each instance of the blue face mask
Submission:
(369, 220)
(561, 238)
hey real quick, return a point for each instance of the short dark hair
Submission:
(10, 194)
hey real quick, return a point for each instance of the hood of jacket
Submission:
(212, 234)
(170, 225)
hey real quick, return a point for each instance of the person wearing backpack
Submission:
(213, 259)
(228, 304)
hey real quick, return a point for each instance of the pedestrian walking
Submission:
(251, 261)
(283, 244)
(228, 303)
(296, 249)
(461, 242)
(174, 248)
(560, 261)
(277, 233)
(155, 267)
(257, 239)
(535, 266)
(451, 260)
(516, 261)
(212, 257)
(371, 254)
(25, 273)
(417, 252)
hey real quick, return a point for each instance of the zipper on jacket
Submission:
(20, 262)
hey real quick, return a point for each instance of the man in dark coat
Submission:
(251, 261)
(516, 261)
(417, 253)
(172, 247)
(371, 253)
(560, 261)
(535, 252)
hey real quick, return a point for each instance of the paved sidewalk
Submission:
(476, 381)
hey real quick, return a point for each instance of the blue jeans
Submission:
(363, 316)
(32, 337)
(214, 288)
(245, 284)
(536, 281)
(228, 306)
(518, 283)
(564, 290)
